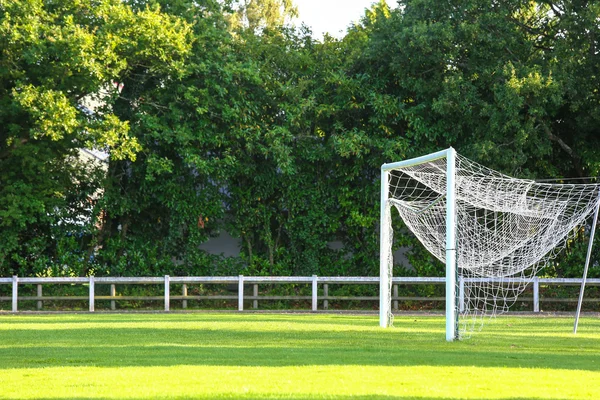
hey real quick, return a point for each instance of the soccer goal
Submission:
(492, 231)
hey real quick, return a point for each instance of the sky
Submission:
(333, 16)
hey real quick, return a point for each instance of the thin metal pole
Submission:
(461, 293)
(536, 294)
(585, 270)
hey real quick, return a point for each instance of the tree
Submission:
(192, 126)
(486, 77)
(256, 15)
(511, 84)
(55, 56)
(265, 132)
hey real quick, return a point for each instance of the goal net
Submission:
(493, 232)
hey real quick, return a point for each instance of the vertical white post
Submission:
(314, 293)
(536, 294)
(255, 294)
(15, 293)
(92, 300)
(461, 293)
(384, 256)
(451, 326)
(585, 270)
(184, 293)
(39, 294)
(241, 293)
(113, 293)
(167, 293)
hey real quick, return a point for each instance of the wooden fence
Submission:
(242, 281)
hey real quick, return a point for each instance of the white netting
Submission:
(506, 228)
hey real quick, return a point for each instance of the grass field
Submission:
(221, 355)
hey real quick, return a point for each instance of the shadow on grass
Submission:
(216, 316)
(137, 356)
(273, 341)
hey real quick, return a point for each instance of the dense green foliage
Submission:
(55, 55)
(214, 356)
(219, 118)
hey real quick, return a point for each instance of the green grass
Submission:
(206, 356)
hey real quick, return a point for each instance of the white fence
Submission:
(241, 281)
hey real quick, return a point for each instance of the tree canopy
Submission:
(218, 116)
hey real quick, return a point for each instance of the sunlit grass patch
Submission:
(205, 356)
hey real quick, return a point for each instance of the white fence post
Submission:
(255, 294)
(92, 300)
(15, 293)
(241, 293)
(113, 293)
(167, 293)
(184, 293)
(314, 293)
(536, 294)
(39, 294)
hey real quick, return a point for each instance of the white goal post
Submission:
(492, 231)
(385, 314)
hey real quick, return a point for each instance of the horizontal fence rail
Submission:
(241, 281)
